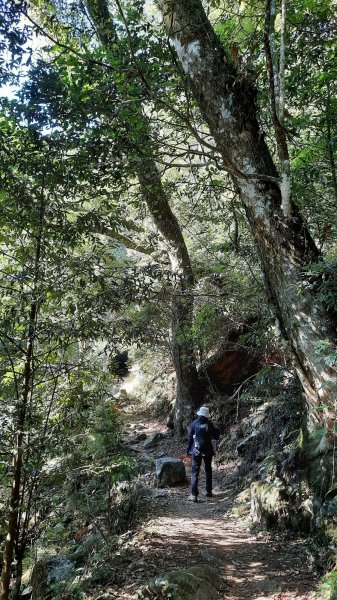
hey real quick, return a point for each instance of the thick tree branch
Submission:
(122, 238)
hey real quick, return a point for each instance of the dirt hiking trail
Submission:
(182, 534)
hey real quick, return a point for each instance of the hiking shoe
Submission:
(192, 498)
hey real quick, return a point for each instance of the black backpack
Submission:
(201, 437)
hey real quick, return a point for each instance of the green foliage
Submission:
(204, 325)
(145, 323)
(75, 591)
(311, 88)
(270, 381)
(55, 333)
(14, 35)
(324, 275)
(106, 430)
(269, 378)
(326, 349)
(328, 587)
(70, 145)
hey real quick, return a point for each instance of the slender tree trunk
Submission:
(228, 104)
(155, 197)
(282, 61)
(18, 575)
(13, 529)
(189, 395)
(330, 141)
(13, 521)
(285, 174)
(271, 15)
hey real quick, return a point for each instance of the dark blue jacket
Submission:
(204, 430)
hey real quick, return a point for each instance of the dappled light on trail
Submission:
(181, 534)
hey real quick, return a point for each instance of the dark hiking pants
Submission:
(196, 464)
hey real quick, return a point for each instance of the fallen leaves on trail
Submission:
(181, 534)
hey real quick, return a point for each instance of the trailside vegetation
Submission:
(168, 192)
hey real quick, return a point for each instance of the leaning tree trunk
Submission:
(188, 390)
(189, 393)
(227, 100)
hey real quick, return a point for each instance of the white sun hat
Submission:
(203, 412)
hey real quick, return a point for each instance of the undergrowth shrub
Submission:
(130, 504)
(266, 425)
(98, 558)
(91, 491)
(106, 429)
(328, 587)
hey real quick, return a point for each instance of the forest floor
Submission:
(180, 534)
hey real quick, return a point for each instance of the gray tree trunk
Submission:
(155, 197)
(188, 396)
(227, 101)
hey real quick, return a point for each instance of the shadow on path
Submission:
(186, 534)
(183, 534)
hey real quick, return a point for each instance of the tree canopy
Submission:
(167, 177)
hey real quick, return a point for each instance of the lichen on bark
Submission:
(227, 101)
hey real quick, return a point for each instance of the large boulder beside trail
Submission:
(195, 583)
(48, 571)
(232, 364)
(170, 472)
(274, 506)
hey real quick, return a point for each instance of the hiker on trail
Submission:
(200, 445)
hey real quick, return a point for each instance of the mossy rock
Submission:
(267, 504)
(326, 519)
(47, 572)
(195, 583)
(275, 506)
(170, 471)
(242, 504)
